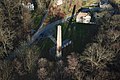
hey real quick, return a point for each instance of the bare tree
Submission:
(6, 39)
(97, 55)
(28, 56)
(6, 70)
(42, 5)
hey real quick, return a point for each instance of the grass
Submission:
(37, 20)
(80, 34)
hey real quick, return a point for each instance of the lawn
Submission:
(79, 33)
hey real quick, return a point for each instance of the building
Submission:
(104, 4)
(83, 17)
(59, 2)
(28, 5)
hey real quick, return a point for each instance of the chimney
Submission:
(59, 42)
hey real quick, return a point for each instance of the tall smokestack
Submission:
(59, 42)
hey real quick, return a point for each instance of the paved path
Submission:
(47, 30)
